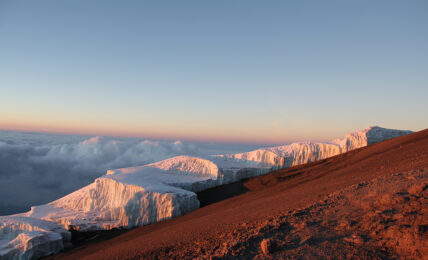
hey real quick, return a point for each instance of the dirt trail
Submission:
(368, 203)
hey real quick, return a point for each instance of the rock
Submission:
(417, 189)
(355, 239)
(267, 246)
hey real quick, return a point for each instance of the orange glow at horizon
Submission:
(255, 135)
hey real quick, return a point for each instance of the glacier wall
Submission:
(368, 136)
(107, 204)
(135, 196)
(305, 152)
(30, 238)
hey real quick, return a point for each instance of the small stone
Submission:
(417, 189)
(267, 246)
(355, 239)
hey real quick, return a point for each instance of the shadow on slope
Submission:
(222, 192)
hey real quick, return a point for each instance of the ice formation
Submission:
(304, 152)
(30, 238)
(136, 196)
(370, 135)
(141, 195)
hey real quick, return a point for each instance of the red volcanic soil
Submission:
(367, 203)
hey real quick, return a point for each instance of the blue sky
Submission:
(250, 71)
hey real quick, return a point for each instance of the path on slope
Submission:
(281, 191)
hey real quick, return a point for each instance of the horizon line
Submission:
(151, 137)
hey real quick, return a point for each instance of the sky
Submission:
(230, 71)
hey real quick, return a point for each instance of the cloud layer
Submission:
(39, 168)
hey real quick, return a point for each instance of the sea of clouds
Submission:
(37, 168)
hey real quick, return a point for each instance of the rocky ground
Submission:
(378, 219)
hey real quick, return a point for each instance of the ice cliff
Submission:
(141, 195)
(30, 238)
(136, 196)
(370, 135)
(305, 152)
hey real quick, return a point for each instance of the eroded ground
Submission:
(382, 218)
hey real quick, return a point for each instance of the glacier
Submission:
(30, 238)
(141, 195)
(305, 152)
(135, 196)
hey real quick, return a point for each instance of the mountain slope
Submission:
(228, 223)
